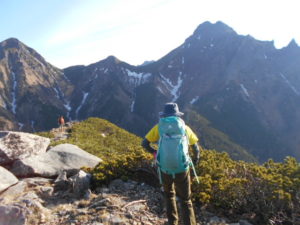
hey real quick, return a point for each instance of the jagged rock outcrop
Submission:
(64, 157)
(20, 145)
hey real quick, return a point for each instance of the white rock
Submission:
(7, 179)
(64, 157)
(20, 145)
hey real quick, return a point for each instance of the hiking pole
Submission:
(194, 170)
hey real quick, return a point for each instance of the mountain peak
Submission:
(11, 43)
(23, 49)
(217, 28)
(292, 48)
(293, 44)
(113, 59)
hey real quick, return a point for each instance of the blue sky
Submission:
(73, 32)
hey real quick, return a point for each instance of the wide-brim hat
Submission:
(171, 109)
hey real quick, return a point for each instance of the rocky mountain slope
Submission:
(246, 88)
(32, 91)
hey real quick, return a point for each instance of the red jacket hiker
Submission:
(61, 122)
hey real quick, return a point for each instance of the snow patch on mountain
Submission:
(175, 92)
(60, 95)
(64, 75)
(57, 93)
(132, 106)
(85, 95)
(161, 91)
(137, 78)
(68, 108)
(96, 73)
(245, 90)
(174, 89)
(289, 84)
(194, 100)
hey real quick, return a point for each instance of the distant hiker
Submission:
(61, 122)
(174, 138)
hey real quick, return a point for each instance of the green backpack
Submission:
(173, 156)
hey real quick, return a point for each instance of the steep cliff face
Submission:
(246, 88)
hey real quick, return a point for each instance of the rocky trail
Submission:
(44, 201)
(119, 203)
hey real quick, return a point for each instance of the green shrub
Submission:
(120, 150)
(259, 192)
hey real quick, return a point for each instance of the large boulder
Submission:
(64, 157)
(7, 179)
(20, 145)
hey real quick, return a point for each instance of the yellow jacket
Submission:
(153, 135)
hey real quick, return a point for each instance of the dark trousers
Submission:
(180, 186)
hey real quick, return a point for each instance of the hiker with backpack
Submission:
(173, 161)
